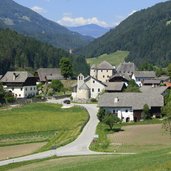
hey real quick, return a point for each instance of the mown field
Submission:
(131, 138)
(41, 122)
(114, 58)
(159, 160)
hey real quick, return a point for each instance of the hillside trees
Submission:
(20, 52)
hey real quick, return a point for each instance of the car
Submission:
(67, 101)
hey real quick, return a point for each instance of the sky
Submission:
(106, 13)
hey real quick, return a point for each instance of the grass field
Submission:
(131, 138)
(114, 58)
(159, 160)
(41, 122)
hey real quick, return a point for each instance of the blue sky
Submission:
(81, 12)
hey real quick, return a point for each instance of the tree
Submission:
(132, 87)
(169, 70)
(2, 94)
(146, 112)
(101, 114)
(57, 85)
(66, 67)
(111, 120)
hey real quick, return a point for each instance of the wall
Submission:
(103, 75)
(122, 113)
(22, 92)
(95, 88)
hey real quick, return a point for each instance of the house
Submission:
(103, 71)
(115, 87)
(141, 76)
(49, 74)
(129, 106)
(126, 68)
(164, 78)
(87, 88)
(21, 83)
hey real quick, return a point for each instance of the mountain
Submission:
(91, 30)
(25, 21)
(146, 34)
(21, 52)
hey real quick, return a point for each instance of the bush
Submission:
(101, 114)
(93, 100)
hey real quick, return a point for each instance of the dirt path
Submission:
(19, 150)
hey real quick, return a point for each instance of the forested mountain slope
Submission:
(25, 21)
(145, 34)
(18, 51)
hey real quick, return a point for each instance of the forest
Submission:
(18, 52)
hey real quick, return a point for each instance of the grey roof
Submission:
(163, 78)
(114, 86)
(84, 87)
(152, 81)
(50, 74)
(134, 100)
(126, 68)
(16, 77)
(145, 74)
(153, 90)
(103, 65)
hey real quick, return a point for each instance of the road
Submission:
(78, 147)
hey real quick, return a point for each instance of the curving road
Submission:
(78, 147)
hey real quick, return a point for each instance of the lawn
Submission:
(159, 160)
(114, 58)
(41, 122)
(131, 138)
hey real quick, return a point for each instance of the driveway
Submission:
(78, 147)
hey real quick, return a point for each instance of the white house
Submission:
(87, 88)
(103, 71)
(129, 106)
(21, 83)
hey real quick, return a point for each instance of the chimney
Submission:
(116, 100)
(14, 76)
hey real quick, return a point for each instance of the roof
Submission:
(152, 81)
(103, 65)
(126, 68)
(114, 86)
(145, 74)
(84, 87)
(134, 100)
(163, 78)
(123, 75)
(16, 77)
(49, 74)
(168, 84)
(153, 90)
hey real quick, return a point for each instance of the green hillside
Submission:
(146, 35)
(114, 58)
(20, 52)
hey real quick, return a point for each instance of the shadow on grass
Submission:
(113, 130)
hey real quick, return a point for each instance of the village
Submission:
(106, 85)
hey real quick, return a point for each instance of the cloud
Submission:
(68, 20)
(38, 9)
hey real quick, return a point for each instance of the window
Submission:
(103, 76)
(13, 88)
(108, 76)
(93, 81)
(114, 111)
(107, 70)
(26, 89)
(30, 88)
(34, 88)
(126, 110)
(20, 95)
(101, 70)
(21, 89)
(92, 89)
(98, 89)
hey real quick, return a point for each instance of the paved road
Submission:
(77, 147)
